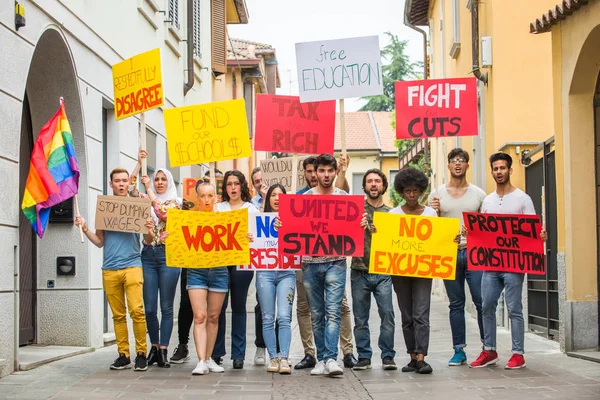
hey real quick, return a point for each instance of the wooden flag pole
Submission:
(343, 129)
(213, 177)
(76, 202)
(294, 174)
(143, 142)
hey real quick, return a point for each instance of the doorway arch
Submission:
(51, 75)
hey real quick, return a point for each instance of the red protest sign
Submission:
(283, 124)
(436, 108)
(321, 225)
(505, 243)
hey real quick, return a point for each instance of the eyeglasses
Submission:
(457, 161)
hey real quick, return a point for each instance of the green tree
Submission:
(396, 67)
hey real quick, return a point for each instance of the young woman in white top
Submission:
(414, 294)
(236, 195)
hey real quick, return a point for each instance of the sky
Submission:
(283, 23)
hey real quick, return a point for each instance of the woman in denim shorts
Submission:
(207, 288)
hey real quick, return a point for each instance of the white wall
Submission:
(98, 35)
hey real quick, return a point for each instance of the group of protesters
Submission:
(136, 276)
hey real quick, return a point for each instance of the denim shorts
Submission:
(211, 279)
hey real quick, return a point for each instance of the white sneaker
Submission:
(213, 366)
(319, 369)
(259, 356)
(332, 368)
(201, 369)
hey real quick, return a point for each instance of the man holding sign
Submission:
(506, 199)
(324, 276)
(122, 278)
(375, 185)
(451, 200)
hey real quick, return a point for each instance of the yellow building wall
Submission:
(389, 164)
(517, 101)
(576, 60)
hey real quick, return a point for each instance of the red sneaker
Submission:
(487, 357)
(517, 361)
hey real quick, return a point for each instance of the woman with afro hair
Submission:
(414, 294)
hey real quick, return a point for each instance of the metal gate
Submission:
(542, 290)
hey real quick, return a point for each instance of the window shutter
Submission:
(174, 13)
(197, 48)
(219, 37)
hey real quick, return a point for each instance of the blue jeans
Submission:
(324, 284)
(456, 293)
(276, 287)
(239, 282)
(492, 284)
(158, 278)
(363, 284)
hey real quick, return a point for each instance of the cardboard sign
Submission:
(122, 214)
(138, 84)
(436, 108)
(283, 124)
(207, 239)
(415, 246)
(263, 250)
(191, 196)
(321, 225)
(339, 69)
(207, 132)
(279, 170)
(505, 243)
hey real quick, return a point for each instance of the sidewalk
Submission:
(549, 374)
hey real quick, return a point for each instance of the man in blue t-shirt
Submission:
(122, 279)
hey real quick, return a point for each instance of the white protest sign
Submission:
(263, 250)
(339, 69)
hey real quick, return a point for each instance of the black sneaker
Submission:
(389, 364)
(141, 363)
(410, 367)
(123, 362)
(423, 368)
(362, 364)
(349, 360)
(181, 354)
(218, 360)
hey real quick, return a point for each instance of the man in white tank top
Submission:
(450, 200)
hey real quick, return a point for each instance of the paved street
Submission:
(549, 374)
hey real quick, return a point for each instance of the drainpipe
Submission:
(407, 7)
(190, 48)
(234, 96)
(475, 42)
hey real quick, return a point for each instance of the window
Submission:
(219, 37)
(455, 49)
(357, 184)
(174, 171)
(151, 149)
(197, 48)
(174, 13)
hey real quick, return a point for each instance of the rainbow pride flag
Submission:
(53, 171)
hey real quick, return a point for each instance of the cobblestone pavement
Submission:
(549, 374)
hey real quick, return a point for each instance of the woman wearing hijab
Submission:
(157, 276)
(236, 195)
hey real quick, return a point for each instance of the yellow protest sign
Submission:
(207, 132)
(138, 84)
(206, 239)
(408, 245)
